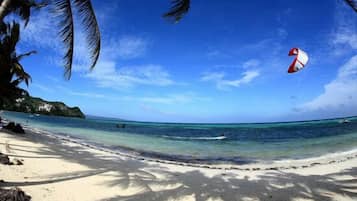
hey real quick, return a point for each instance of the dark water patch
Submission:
(185, 159)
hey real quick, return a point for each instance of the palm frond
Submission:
(63, 11)
(13, 36)
(2, 27)
(178, 10)
(23, 8)
(19, 57)
(352, 4)
(20, 73)
(88, 18)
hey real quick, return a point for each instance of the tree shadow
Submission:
(62, 177)
(157, 182)
(277, 186)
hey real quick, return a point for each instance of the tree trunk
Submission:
(3, 7)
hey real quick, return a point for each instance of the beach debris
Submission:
(16, 128)
(15, 194)
(300, 60)
(4, 159)
(18, 161)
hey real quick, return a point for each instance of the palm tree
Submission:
(63, 9)
(12, 72)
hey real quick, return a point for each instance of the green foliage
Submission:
(12, 72)
(28, 104)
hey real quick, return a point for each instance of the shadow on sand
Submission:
(275, 185)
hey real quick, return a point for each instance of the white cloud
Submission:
(173, 98)
(213, 54)
(221, 83)
(251, 63)
(41, 31)
(130, 47)
(282, 33)
(344, 36)
(81, 94)
(42, 87)
(107, 75)
(340, 95)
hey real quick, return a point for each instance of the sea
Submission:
(233, 143)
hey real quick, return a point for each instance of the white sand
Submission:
(60, 170)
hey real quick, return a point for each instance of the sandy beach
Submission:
(58, 169)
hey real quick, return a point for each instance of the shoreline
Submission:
(257, 165)
(216, 160)
(57, 168)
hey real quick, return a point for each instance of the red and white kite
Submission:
(299, 61)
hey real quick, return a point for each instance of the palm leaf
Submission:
(20, 73)
(87, 16)
(26, 54)
(23, 8)
(12, 37)
(64, 13)
(353, 4)
(178, 9)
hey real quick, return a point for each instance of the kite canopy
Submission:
(299, 61)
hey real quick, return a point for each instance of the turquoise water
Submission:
(234, 143)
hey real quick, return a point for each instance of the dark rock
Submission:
(4, 159)
(10, 126)
(18, 129)
(15, 194)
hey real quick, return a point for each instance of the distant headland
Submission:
(28, 104)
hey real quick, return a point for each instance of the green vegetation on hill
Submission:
(28, 104)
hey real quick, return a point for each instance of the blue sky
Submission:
(226, 61)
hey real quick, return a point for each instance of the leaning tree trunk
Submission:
(3, 7)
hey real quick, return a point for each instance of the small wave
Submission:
(195, 138)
